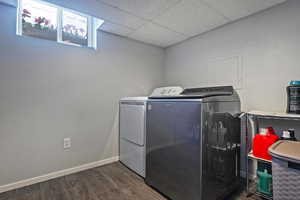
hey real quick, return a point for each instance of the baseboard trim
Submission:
(46, 177)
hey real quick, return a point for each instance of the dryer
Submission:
(132, 118)
(132, 128)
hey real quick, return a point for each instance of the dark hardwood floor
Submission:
(110, 182)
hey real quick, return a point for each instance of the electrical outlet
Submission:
(67, 143)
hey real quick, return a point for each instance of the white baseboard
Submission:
(46, 177)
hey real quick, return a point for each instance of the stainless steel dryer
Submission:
(192, 143)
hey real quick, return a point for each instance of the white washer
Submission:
(132, 130)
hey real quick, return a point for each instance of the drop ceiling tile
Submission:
(103, 11)
(118, 16)
(235, 9)
(157, 35)
(147, 9)
(191, 17)
(116, 29)
(259, 5)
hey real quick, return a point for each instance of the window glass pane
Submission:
(39, 20)
(75, 28)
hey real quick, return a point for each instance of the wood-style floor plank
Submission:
(76, 187)
(110, 182)
(8, 195)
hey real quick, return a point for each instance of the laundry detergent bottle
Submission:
(263, 141)
(264, 184)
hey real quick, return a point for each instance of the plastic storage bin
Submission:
(293, 97)
(286, 170)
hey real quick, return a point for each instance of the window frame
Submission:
(91, 25)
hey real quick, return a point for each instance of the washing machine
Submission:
(193, 143)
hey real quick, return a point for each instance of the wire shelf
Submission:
(274, 115)
(252, 157)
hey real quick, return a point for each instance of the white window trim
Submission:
(19, 17)
(92, 27)
(59, 25)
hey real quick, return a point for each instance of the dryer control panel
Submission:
(167, 91)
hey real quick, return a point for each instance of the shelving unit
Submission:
(253, 119)
(274, 115)
(255, 192)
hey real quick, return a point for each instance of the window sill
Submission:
(58, 42)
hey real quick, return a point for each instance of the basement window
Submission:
(75, 28)
(47, 21)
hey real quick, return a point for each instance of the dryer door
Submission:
(132, 122)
